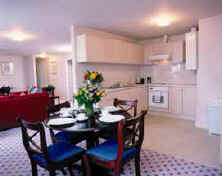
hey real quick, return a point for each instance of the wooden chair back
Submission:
(129, 106)
(135, 137)
(51, 109)
(29, 131)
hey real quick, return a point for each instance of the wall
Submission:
(111, 72)
(19, 80)
(209, 79)
(162, 73)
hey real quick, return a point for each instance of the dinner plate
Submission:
(111, 118)
(69, 110)
(81, 117)
(64, 122)
(111, 108)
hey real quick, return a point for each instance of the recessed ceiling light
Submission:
(42, 55)
(162, 20)
(18, 35)
(64, 48)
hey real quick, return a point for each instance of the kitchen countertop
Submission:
(125, 88)
(173, 84)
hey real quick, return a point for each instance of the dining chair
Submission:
(63, 135)
(114, 154)
(129, 106)
(54, 157)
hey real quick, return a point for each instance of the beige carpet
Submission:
(181, 138)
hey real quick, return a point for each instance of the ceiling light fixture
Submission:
(64, 48)
(162, 20)
(18, 35)
(42, 55)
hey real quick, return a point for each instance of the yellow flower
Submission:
(84, 89)
(93, 75)
(102, 94)
(98, 93)
(90, 95)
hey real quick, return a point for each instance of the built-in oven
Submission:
(158, 97)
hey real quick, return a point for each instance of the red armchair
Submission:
(32, 107)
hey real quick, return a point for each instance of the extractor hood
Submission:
(159, 57)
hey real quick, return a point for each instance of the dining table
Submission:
(90, 133)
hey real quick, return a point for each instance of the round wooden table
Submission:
(84, 128)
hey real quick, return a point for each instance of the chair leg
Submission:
(87, 169)
(52, 173)
(63, 171)
(117, 171)
(34, 169)
(71, 171)
(137, 164)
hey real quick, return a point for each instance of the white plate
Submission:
(61, 121)
(111, 118)
(111, 108)
(81, 117)
(69, 110)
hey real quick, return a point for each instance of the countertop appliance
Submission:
(158, 97)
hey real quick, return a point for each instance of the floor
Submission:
(177, 137)
(14, 161)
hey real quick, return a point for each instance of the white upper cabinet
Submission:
(191, 50)
(98, 49)
(178, 52)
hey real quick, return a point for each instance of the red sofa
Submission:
(31, 107)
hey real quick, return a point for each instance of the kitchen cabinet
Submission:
(189, 101)
(178, 52)
(134, 93)
(97, 49)
(191, 50)
(176, 100)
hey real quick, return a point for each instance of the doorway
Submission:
(42, 76)
(70, 79)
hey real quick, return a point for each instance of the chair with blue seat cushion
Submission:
(71, 137)
(113, 154)
(56, 156)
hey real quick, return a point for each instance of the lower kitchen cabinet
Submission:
(137, 93)
(176, 100)
(182, 101)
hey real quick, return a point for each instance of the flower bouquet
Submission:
(93, 77)
(90, 94)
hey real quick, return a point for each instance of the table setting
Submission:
(86, 115)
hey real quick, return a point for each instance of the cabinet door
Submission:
(120, 51)
(189, 101)
(178, 51)
(109, 50)
(191, 51)
(95, 48)
(176, 100)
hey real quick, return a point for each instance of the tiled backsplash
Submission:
(164, 74)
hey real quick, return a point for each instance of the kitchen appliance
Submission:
(148, 80)
(158, 97)
(159, 57)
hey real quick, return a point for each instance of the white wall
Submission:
(19, 80)
(111, 72)
(209, 75)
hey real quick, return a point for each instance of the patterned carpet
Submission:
(14, 161)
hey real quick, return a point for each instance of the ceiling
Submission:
(50, 20)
